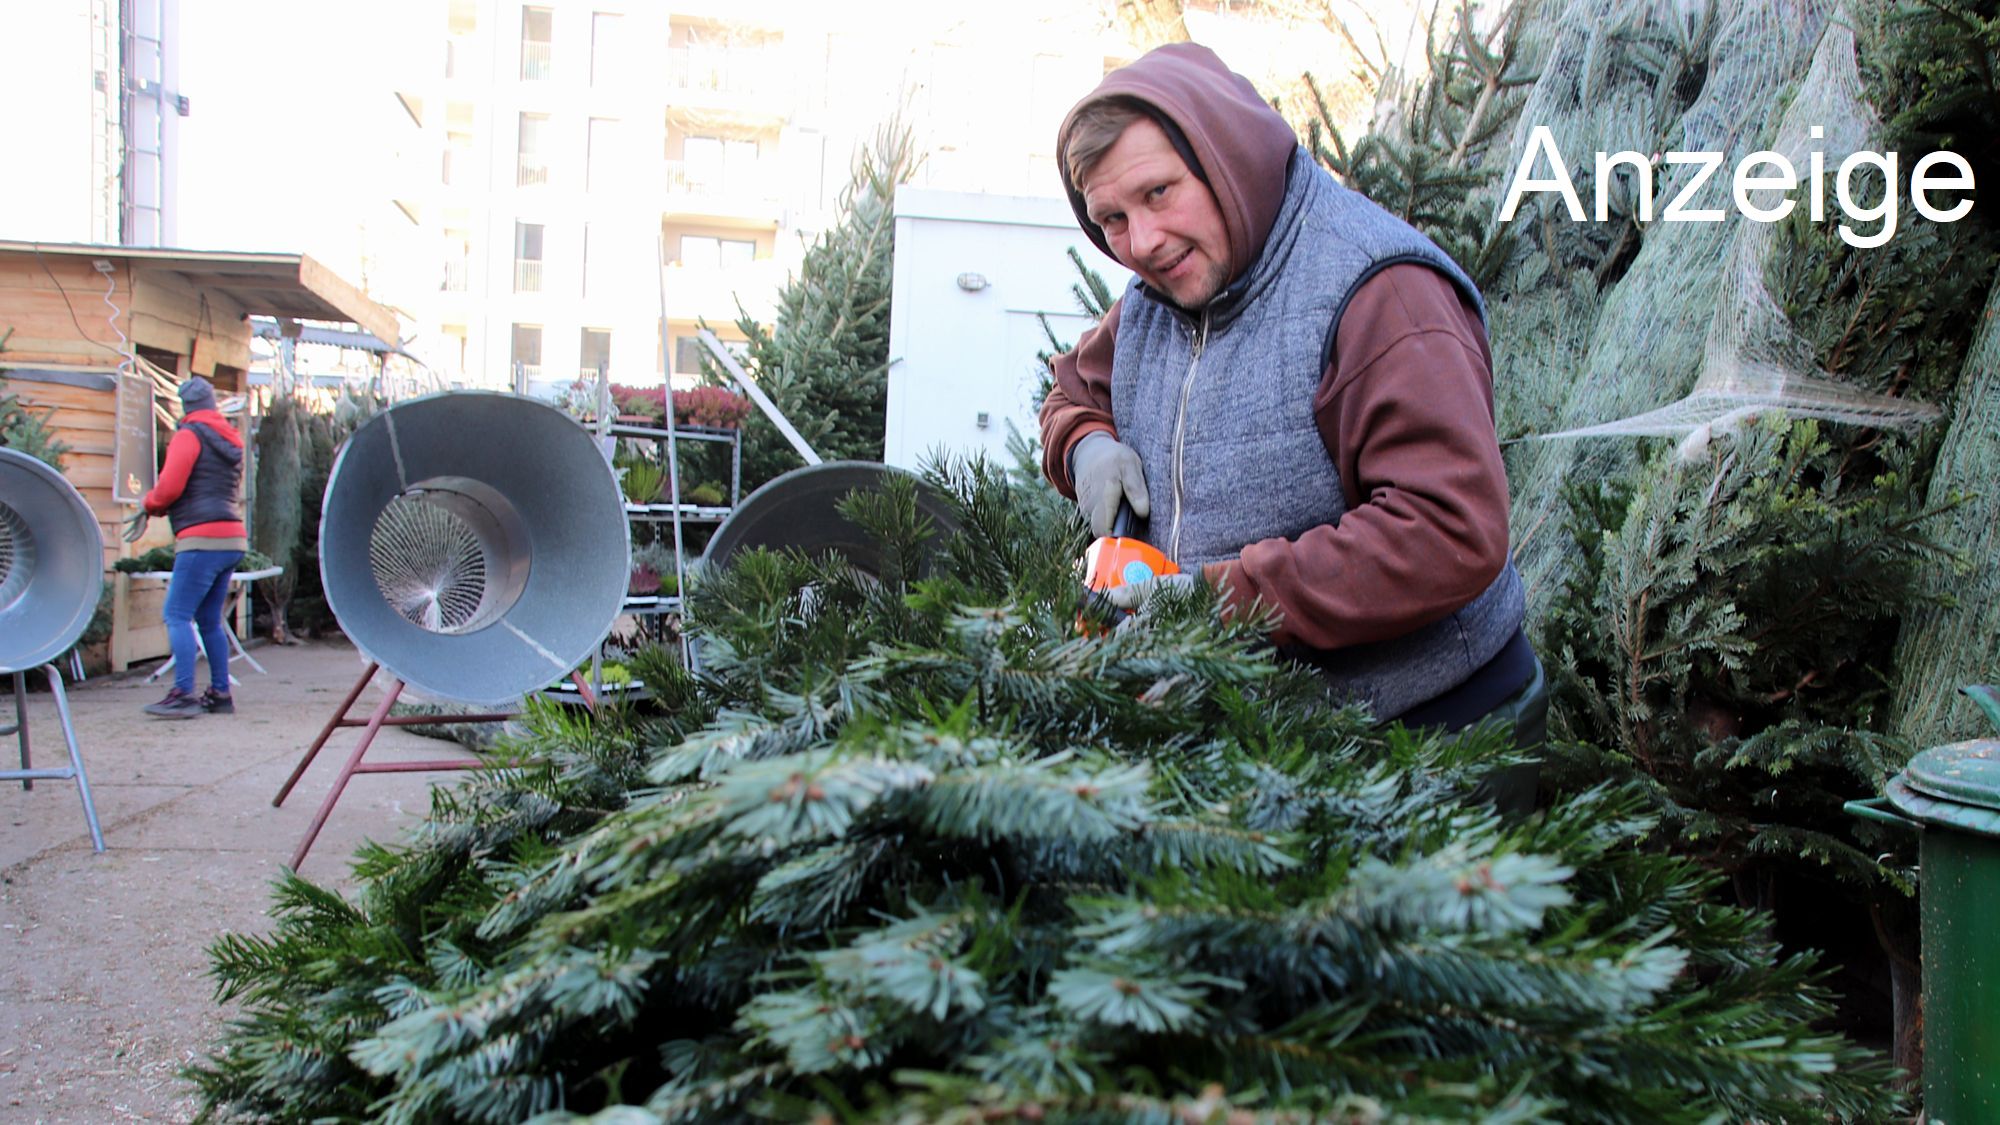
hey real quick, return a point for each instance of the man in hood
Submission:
(1296, 390)
(197, 491)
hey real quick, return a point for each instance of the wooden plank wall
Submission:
(54, 304)
(83, 420)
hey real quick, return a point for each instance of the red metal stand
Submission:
(372, 724)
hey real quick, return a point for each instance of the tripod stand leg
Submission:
(347, 771)
(75, 755)
(20, 728)
(339, 720)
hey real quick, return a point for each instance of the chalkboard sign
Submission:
(135, 459)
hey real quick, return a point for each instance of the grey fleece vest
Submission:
(1219, 407)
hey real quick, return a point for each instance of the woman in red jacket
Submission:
(198, 490)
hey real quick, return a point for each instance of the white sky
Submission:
(272, 153)
(289, 104)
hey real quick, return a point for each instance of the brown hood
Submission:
(1241, 144)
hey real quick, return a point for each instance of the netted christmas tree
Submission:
(295, 449)
(277, 506)
(1940, 65)
(912, 848)
(1753, 622)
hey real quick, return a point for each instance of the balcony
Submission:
(537, 61)
(455, 275)
(533, 169)
(748, 81)
(752, 195)
(720, 70)
(527, 275)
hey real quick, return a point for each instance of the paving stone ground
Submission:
(104, 992)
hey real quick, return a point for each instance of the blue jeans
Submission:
(194, 598)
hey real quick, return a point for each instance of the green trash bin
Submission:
(1952, 793)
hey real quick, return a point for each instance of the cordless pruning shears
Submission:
(1118, 559)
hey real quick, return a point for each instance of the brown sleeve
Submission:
(1079, 404)
(1406, 410)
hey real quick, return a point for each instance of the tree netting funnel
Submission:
(800, 510)
(474, 544)
(51, 563)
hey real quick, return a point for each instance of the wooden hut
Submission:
(96, 332)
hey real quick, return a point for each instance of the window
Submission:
(718, 163)
(704, 252)
(688, 352)
(700, 253)
(537, 43)
(701, 160)
(527, 257)
(605, 47)
(601, 155)
(687, 355)
(721, 63)
(534, 161)
(457, 259)
(457, 158)
(527, 355)
(594, 351)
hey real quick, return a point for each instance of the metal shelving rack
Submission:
(679, 514)
(683, 514)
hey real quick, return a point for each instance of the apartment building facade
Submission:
(588, 182)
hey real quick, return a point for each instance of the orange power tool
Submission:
(1120, 559)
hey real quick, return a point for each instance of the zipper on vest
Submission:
(1196, 344)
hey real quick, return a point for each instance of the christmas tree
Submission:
(825, 365)
(916, 849)
(1764, 622)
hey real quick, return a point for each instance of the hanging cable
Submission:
(111, 286)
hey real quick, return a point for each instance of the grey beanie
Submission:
(197, 394)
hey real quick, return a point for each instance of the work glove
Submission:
(135, 526)
(1106, 471)
(1136, 596)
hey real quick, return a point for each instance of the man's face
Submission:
(1160, 219)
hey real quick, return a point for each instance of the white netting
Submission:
(1752, 360)
(1949, 644)
(1661, 328)
(430, 565)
